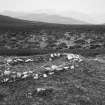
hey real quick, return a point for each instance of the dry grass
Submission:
(84, 85)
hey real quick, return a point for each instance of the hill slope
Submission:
(9, 21)
(45, 17)
(51, 19)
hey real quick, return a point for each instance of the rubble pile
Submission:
(9, 76)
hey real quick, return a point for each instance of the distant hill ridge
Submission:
(44, 17)
(51, 18)
(7, 22)
(10, 20)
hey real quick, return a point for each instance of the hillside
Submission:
(18, 36)
(51, 19)
(45, 17)
(11, 23)
(6, 20)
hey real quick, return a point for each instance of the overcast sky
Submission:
(84, 6)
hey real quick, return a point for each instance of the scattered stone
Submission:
(50, 59)
(51, 73)
(36, 76)
(6, 79)
(19, 74)
(7, 72)
(25, 73)
(40, 89)
(72, 67)
(48, 68)
(24, 76)
(54, 67)
(45, 75)
(29, 60)
(66, 68)
(55, 54)
(52, 55)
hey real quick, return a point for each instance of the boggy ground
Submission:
(82, 85)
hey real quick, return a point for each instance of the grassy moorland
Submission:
(31, 72)
(82, 85)
(38, 40)
(21, 37)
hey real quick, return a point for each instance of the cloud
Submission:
(85, 6)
